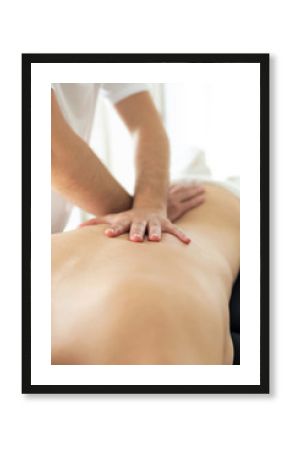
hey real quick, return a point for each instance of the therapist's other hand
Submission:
(137, 222)
(182, 197)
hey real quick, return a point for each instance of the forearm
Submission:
(151, 150)
(152, 168)
(79, 175)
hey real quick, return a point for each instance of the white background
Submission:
(108, 422)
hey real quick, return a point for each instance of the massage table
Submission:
(235, 320)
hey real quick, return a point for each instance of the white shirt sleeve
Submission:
(118, 91)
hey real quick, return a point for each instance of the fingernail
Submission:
(136, 237)
(109, 231)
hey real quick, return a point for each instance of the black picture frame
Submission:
(27, 61)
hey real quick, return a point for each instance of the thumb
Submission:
(93, 221)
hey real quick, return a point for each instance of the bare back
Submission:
(88, 256)
(88, 268)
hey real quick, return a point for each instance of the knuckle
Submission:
(154, 224)
(168, 223)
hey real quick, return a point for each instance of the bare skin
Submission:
(181, 198)
(115, 302)
(79, 175)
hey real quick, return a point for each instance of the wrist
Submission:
(151, 195)
(159, 206)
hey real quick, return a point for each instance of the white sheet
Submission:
(198, 170)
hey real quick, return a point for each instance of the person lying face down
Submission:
(118, 302)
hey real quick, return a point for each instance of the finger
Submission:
(174, 187)
(117, 229)
(93, 221)
(187, 193)
(137, 231)
(177, 189)
(178, 233)
(87, 223)
(192, 192)
(154, 231)
(192, 203)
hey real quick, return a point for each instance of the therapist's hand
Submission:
(138, 222)
(181, 198)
